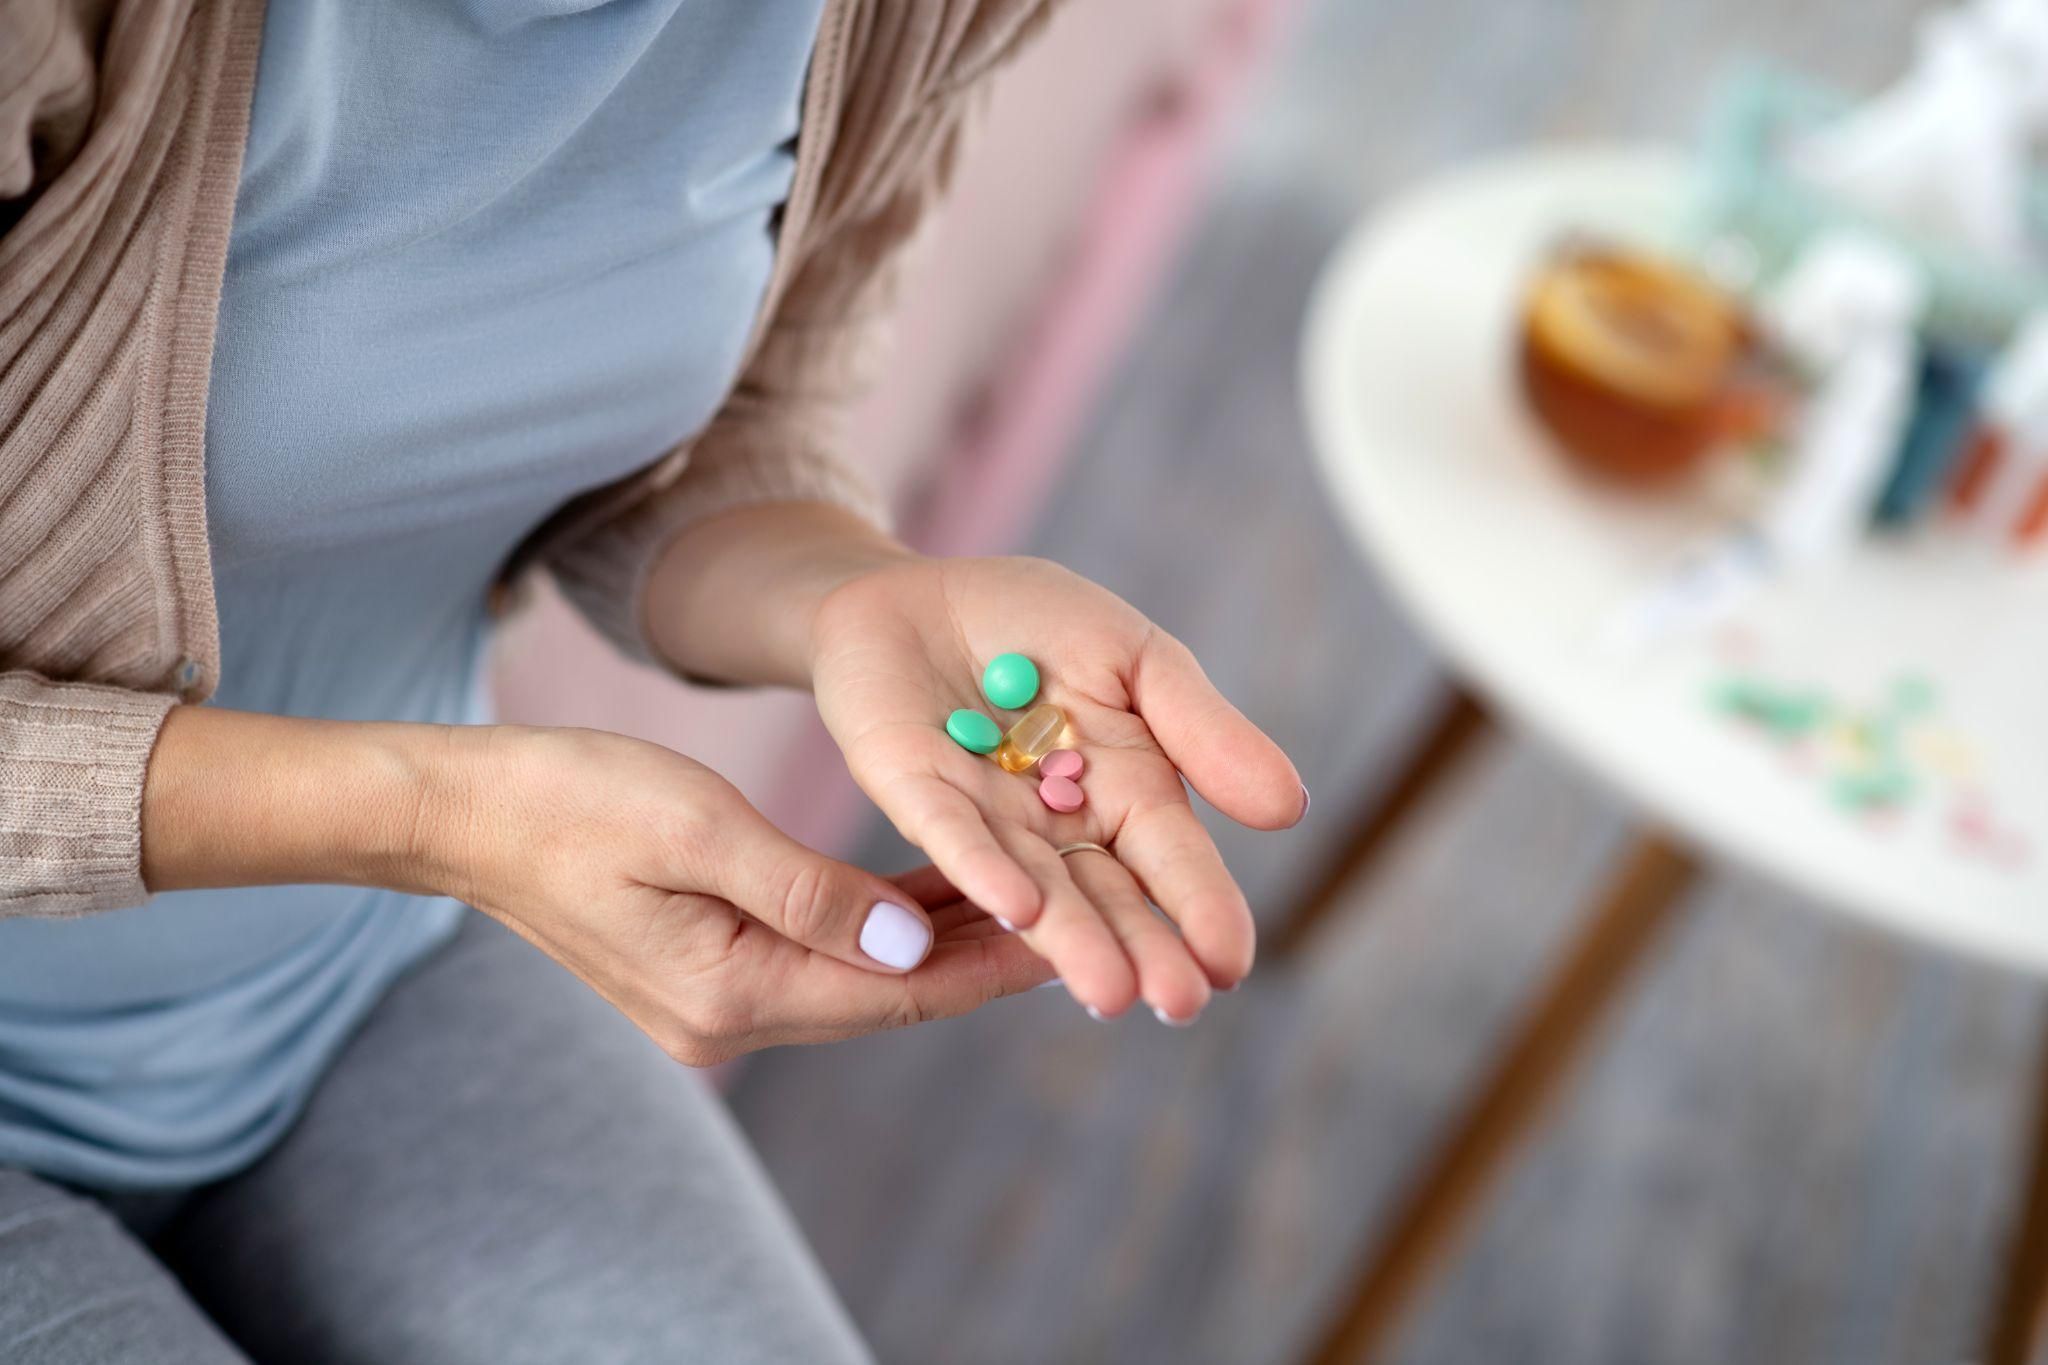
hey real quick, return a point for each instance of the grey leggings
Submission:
(498, 1169)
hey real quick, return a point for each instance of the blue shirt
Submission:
(487, 254)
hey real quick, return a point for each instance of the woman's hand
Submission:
(653, 879)
(645, 873)
(891, 643)
(896, 648)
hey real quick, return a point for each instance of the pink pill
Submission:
(1061, 793)
(1061, 763)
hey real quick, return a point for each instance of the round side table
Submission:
(1743, 741)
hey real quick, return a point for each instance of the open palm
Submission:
(898, 649)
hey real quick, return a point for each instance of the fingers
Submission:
(968, 923)
(1070, 933)
(943, 821)
(810, 899)
(1175, 860)
(928, 886)
(960, 919)
(802, 997)
(1227, 758)
(1169, 979)
(952, 915)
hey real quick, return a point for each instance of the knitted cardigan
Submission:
(122, 124)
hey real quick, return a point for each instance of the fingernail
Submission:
(1163, 1017)
(1097, 1015)
(1049, 985)
(1304, 804)
(1008, 927)
(895, 937)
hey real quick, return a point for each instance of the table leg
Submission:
(1458, 721)
(1505, 1110)
(2016, 1324)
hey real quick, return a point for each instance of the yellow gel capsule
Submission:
(1032, 738)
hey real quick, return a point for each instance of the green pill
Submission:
(1010, 681)
(973, 731)
(1864, 790)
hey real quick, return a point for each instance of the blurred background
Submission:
(1793, 1137)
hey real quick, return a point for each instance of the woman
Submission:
(318, 328)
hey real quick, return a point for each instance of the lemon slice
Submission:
(1637, 326)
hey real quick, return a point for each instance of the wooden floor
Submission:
(1797, 1142)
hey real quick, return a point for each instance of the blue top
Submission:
(487, 254)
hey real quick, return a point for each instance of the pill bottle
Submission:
(2001, 483)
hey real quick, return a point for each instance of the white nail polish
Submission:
(1008, 927)
(1097, 1015)
(895, 937)
(1163, 1017)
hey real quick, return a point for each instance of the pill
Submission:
(973, 731)
(1034, 736)
(1010, 681)
(1061, 793)
(1862, 790)
(1061, 763)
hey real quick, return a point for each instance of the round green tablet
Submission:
(973, 731)
(1010, 681)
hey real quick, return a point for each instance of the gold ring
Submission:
(1078, 845)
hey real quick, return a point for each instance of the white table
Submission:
(1515, 566)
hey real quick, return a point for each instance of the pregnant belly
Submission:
(181, 945)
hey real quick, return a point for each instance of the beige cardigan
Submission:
(122, 124)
